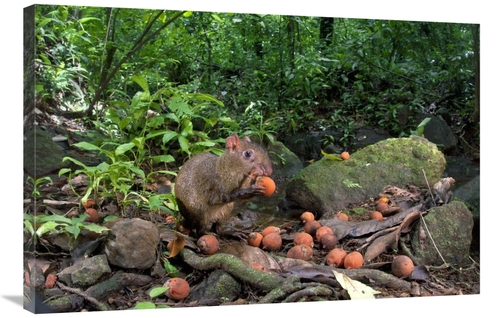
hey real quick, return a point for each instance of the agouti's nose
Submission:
(268, 171)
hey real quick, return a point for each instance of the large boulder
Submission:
(331, 185)
(133, 244)
(445, 237)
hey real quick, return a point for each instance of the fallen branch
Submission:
(234, 266)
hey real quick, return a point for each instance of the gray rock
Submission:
(42, 155)
(447, 235)
(327, 185)
(438, 132)
(133, 244)
(85, 273)
(285, 163)
(469, 193)
(218, 287)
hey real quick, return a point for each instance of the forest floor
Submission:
(441, 280)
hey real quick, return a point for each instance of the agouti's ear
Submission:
(247, 139)
(232, 142)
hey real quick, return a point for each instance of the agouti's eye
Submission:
(247, 154)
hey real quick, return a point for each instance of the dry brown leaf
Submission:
(175, 246)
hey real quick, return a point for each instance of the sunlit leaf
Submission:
(356, 289)
(330, 156)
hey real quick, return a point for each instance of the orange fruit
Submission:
(307, 216)
(267, 183)
(335, 257)
(272, 242)
(342, 216)
(302, 251)
(254, 239)
(376, 215)
(311, 227)
(344, 155)
(303, 238)
(93, 215)
(353, 260)
(270, 229)
(328, 242)
(381, 206)
(208, 244)
(322, 231)
(178, 288)
(402, 266)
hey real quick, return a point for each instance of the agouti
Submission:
(207, 185)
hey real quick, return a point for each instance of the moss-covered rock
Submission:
(446, 236)
(327, 185)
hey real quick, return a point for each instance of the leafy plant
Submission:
(39, 225)
(256, 125)
(419, 131)
(351, 184)
(35, 184)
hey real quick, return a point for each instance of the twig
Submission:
(425, 225)
(78, 292)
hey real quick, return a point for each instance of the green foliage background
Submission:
(297, 72)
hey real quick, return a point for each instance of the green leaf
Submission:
(356, 289)
(184, 144)
(73, 229)
(46, 227)
(28, 226)
(169, 135)
(141, 81)
(86, 146)
(121, 149)
(163, 158)
(95, 228)
(53, 218)
(145, 305)
(330, 156)
(81, 164)
(157, 291)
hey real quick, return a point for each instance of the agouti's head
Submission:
(253, 158)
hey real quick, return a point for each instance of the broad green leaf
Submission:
(142, 82)
(208, 97)
(46, 227)
(356, 289)
(121, 149)
(184, 144)
(187, 14)
(79, 219)
(138, 171)
(73, 229)
(145, 305)
(157, 291)
(84, 20)
(95, 228)
(79, 163)
(53, 218)
(163, 158)
(86, 146)
(169, 135)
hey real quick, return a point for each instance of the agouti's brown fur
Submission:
(207, 185)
